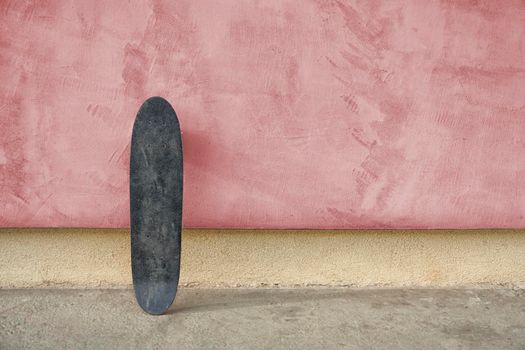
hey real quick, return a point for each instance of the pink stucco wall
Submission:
(295, 113)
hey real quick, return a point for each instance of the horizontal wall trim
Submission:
(92, 258)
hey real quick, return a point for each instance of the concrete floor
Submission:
(266, 319)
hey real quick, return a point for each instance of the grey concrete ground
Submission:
(266, 319)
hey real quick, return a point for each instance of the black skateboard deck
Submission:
(156, 205)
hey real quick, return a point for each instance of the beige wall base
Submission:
(253, 258)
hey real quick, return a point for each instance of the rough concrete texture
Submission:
(231, 258)
(266, 319)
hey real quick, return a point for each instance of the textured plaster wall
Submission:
(295, 113)
(229, 258)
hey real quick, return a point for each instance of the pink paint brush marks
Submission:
(295, 114)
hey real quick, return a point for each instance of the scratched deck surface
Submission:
(156, 176)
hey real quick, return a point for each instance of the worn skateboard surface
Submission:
(156, 178)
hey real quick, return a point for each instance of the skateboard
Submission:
(156, 178)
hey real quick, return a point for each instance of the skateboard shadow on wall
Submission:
(197, 152)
